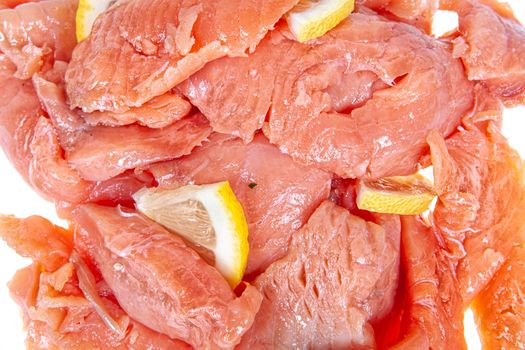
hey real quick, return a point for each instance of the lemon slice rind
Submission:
(215, 206)
(312, 19)
(402, 195)
(87, 13)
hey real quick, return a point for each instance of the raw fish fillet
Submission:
(419, 13)
(161, 282)
(340, 273)
(99, 153)
(500, 308)
(49, 173)
(433, 314)
(19, 113)
(479, 181)
(37, 32)
(158, 112)
(38, 239)
(141, 49)
(30, 143)
(357, 102)
(56, 313)
(283, 197)
(492, 48)
(13, 3)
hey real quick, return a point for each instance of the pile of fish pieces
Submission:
(170, 92)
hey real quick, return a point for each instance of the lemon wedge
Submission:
(403, 195)
(207, 216)
(311, 19)
(87, 13)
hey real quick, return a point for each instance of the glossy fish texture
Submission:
(36, 33)
(416, 12)
(186, 299)
(479, 181)
(356, 102)
(159, 112)
(495, 57)
(340, 273)
(500, 308)
(31, 144)
(141, 49)
(19, 113)
(433, 314)
(277, 194)
(56, 313)
(99, 153)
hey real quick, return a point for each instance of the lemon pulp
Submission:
(311, 19)
(403, 195)
(208, 216)
(87, 13)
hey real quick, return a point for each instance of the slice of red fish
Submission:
(419, 13)
(37, 156)
(74, 325)
(217, 89)
(13, 3)
(35, 31)
(49, 173)
(185, 299)
(373, 131)
(141, 49)
(277, 194)
(479, 181)
(492, 48)
(99, 153)
(159, 112)
(55, 311)
(19, 113)
(500, 308)
(433, 317)
(38, 239)
(324, 293)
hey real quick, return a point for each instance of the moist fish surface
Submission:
(419, 13)
(19, 114)
(158, 112)
(492, 48)
(277, 194)
(12, 3)
(340, 273)
(434, 307)
(500, 308)
(57, 315)
(186, 299)
(479, 182)
(356, 102)
(99, 153)
(36, 32)
(31, 144)
(141, 49)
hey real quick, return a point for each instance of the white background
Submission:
(18, 199)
